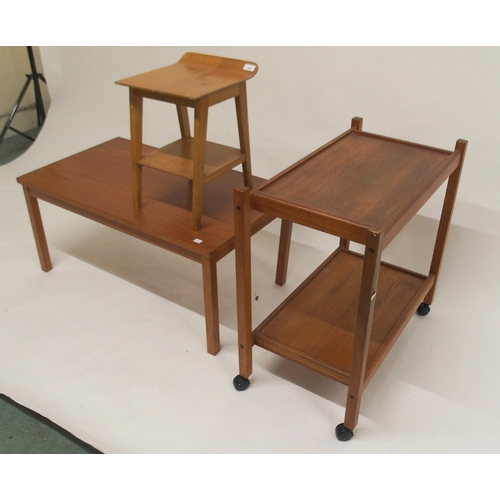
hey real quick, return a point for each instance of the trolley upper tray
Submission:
(358, 182)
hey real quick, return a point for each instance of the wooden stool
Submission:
(197, 81)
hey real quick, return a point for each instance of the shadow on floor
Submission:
(13, 147)
(23, 431)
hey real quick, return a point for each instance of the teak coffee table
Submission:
(96, 184)
(343, 320)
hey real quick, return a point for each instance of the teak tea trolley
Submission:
(197, 81)
(343, 320)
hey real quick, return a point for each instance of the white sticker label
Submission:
(249, 67)
(198, 241)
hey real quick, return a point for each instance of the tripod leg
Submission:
(14, 109)
(38, 94)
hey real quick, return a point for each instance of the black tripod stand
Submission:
(34, 77)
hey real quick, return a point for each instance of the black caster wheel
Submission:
(423, 309)
(343, 433)
(241, 383)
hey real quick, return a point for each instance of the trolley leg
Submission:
(445, 221)
(366, 307)
(242, 211)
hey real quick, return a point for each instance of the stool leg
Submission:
(136, 106)
(182, 114)
(200, 146)
(244, 134)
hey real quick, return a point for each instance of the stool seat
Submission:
(193, 77)
(197, 81)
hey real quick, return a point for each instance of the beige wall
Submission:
(14, 66)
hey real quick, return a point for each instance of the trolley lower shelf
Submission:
(316, 324)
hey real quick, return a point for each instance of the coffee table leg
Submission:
(344, 244)
(283, 252)
(39, 233)
(211, 300)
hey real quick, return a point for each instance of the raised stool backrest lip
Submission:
(223, 63)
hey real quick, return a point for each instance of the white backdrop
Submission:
(301, 98)
(106, 346)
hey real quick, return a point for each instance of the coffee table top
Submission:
(97, 184)
(193, 77)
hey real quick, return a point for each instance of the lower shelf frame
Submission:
(315, 326)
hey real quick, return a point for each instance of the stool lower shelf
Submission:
(316, 324)
(177, 158)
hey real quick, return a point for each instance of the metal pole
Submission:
(38, 94)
